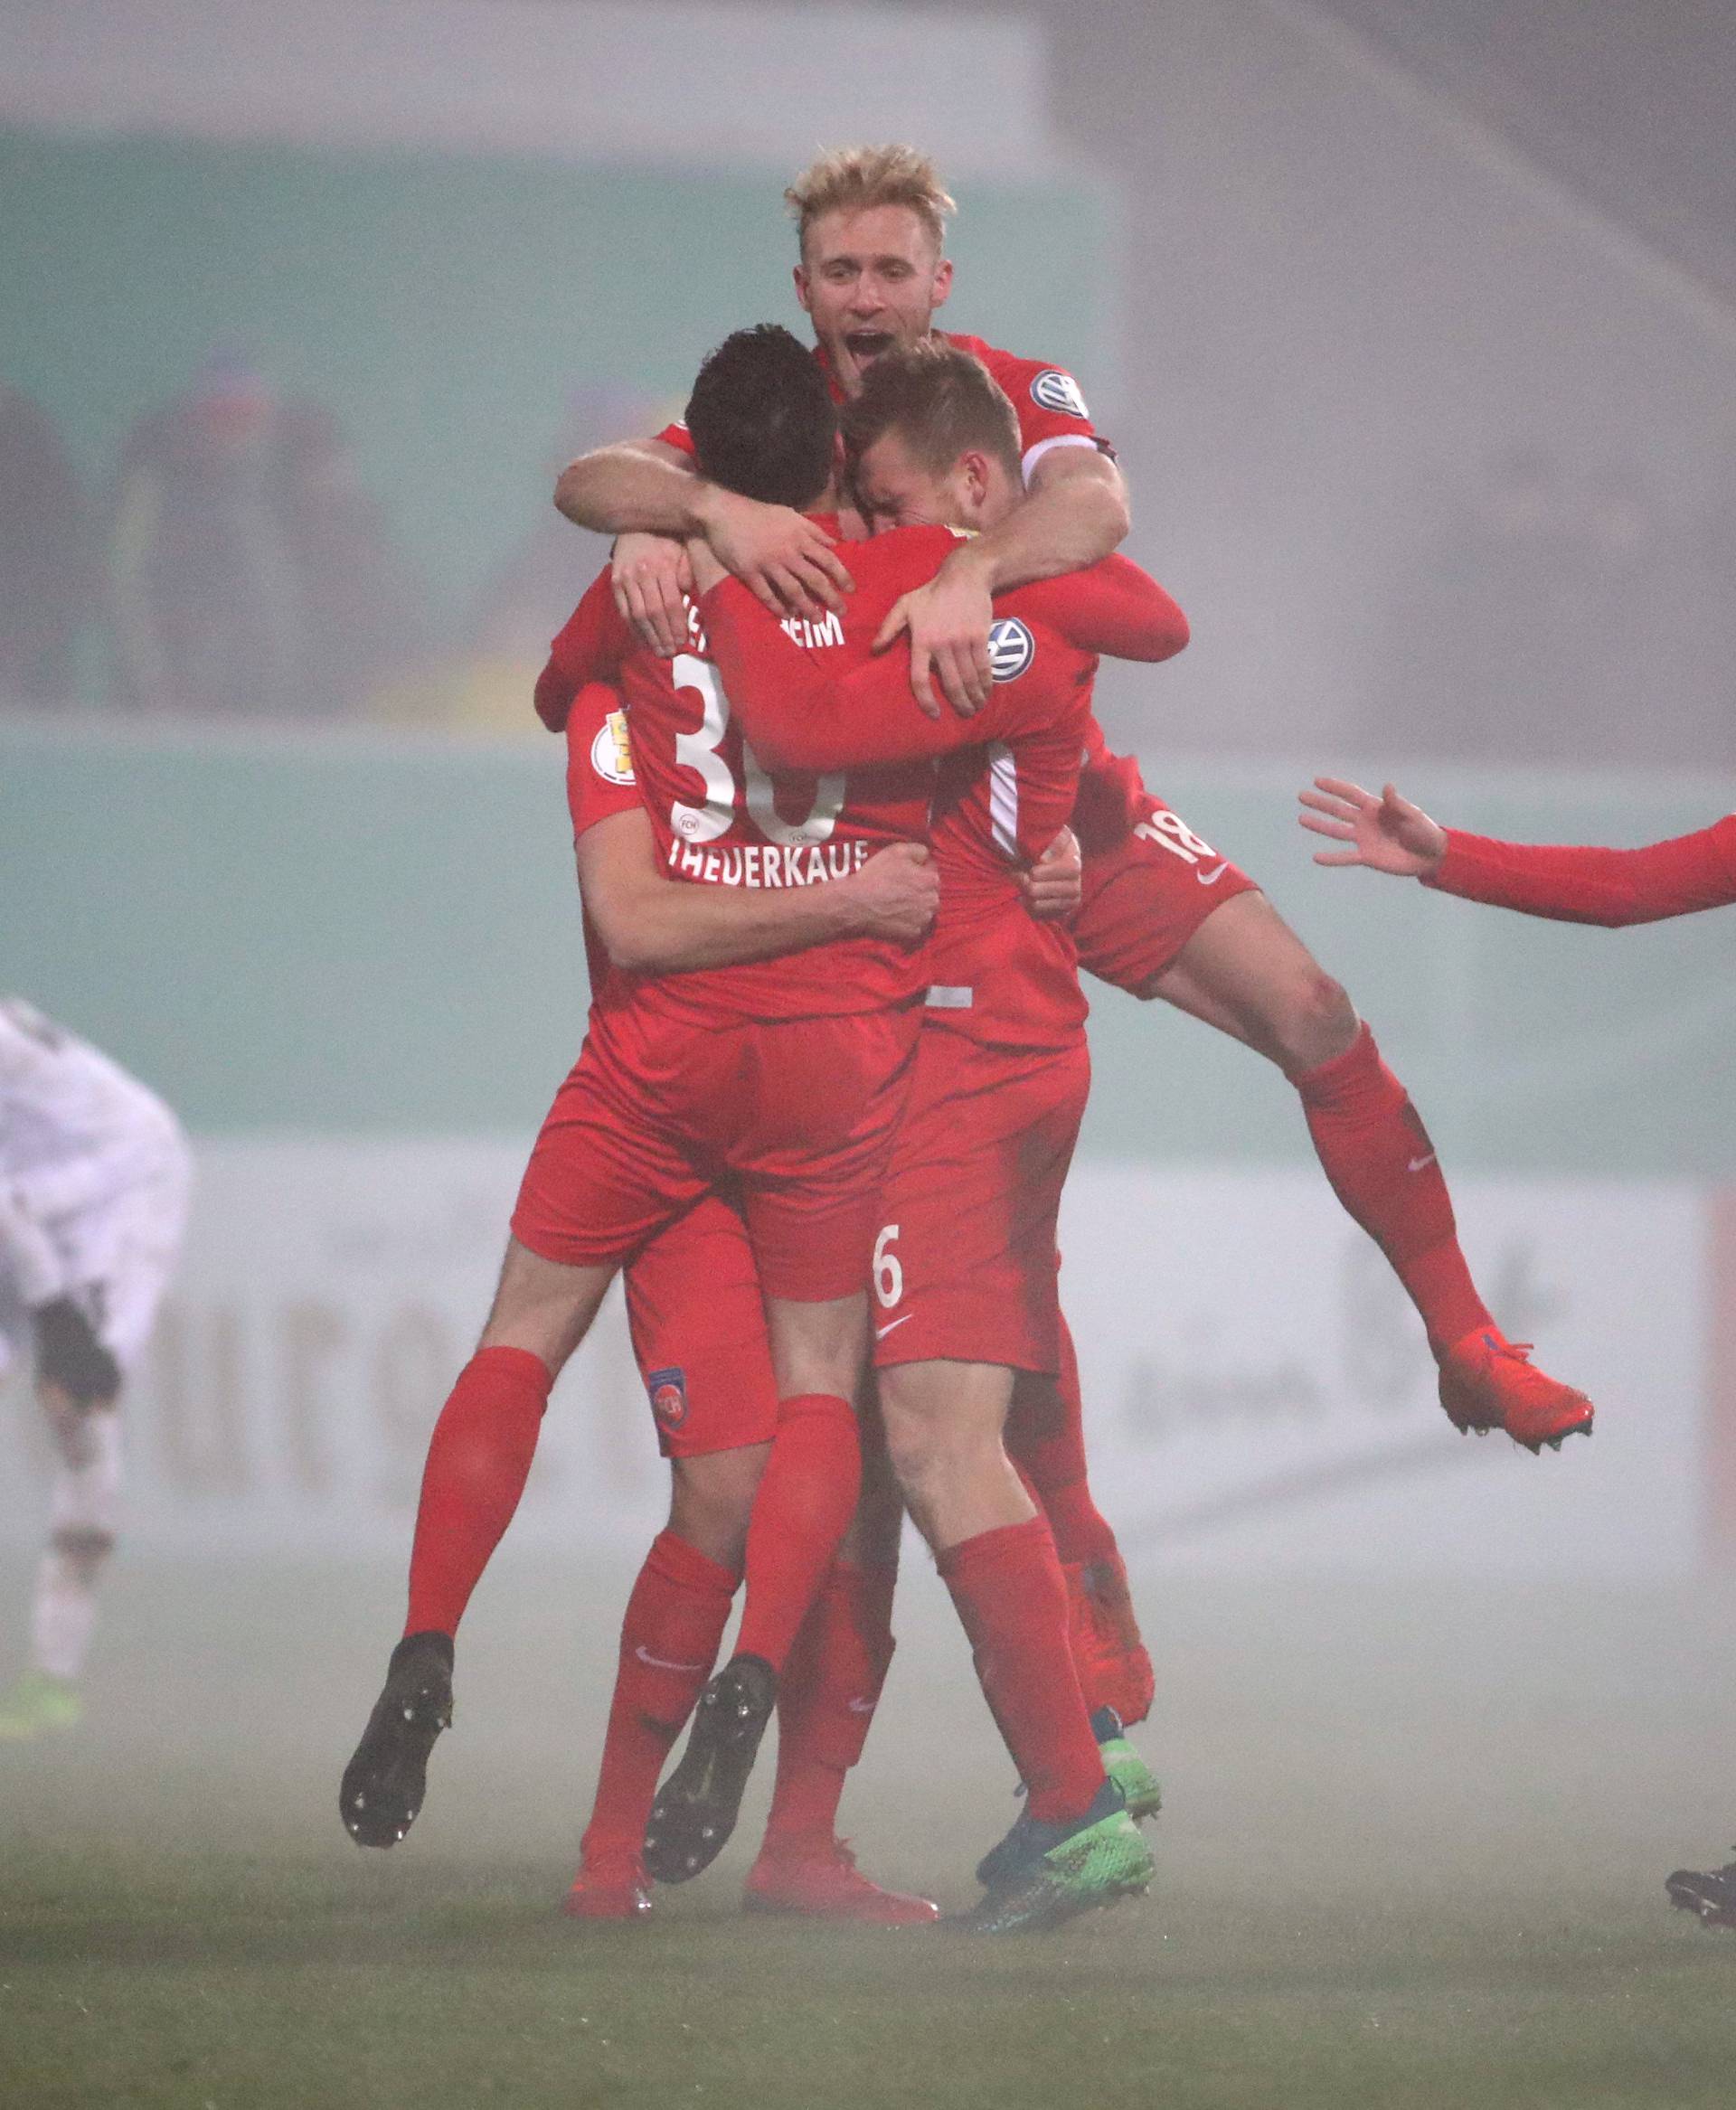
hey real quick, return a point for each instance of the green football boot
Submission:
(1126, 1766)
(37, 1705)
(1123, 1765)
(1065, 1870)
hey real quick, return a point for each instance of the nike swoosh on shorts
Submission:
(663, 1662)
(1417, 1164)
(1210, 879)
(891, 1327)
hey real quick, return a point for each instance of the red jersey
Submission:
(1046, 400)
(1008, 776)
(1112, 797)
(721, 819)
(600, 782)
(1589, 885)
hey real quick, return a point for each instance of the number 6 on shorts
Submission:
(889, 1276)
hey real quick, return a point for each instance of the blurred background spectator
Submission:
(1415, 329)
(481, 683)
(252, 575)
(46, 572)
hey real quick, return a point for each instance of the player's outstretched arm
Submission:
(653, 925)
(1566, 882)
(1386, 833)
(1075, 512)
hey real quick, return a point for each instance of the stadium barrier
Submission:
(1260, 1397)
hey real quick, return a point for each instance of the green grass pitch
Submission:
(1413, 1857)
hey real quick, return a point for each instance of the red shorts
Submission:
(661, 1105)
(699, 1334)
(965, 1265)
(1146, 898)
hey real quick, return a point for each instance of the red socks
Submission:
(477, 1460)
(1378, 1156)
(1045, 1439)
(670, 1638)
(1008, 1587)
(826, 1702)
(800, 1514)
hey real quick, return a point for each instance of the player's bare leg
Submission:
(1075, 1846)
(81, 1537)
(825, 1705)
(670, 1635)
(1245, 971)
(478, 1458)
(801, 1510)
(711, 1501)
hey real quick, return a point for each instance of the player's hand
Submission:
(787, 562)
(649, 574)
(949, 622)
(1387, 834)
(1055, 885)
(895, 894)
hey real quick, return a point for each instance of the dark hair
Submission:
(761, 418)
(940, 401)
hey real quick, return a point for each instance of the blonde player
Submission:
(94, 1181)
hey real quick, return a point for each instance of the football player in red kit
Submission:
(1570, 883)
(699, 1337)
(784, 1076)
(698, 1331)
(1167, 917)
(968, 1239)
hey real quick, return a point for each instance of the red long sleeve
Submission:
(1586, 884)
(587, 648)
(797, 715)
(1113, 609)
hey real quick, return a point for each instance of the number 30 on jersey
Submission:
(700, 751)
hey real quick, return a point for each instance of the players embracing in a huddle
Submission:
(780, 1092)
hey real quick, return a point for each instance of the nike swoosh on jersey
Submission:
(1417, 1164)
(891, 1327)
(860, 1706)
(663, 1662)
(1210, 879)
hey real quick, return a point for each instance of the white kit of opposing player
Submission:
(95, 1177)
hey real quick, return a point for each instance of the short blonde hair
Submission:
(853, 178)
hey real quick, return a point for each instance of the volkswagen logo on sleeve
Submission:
(1011, 648)
(1056, 390)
